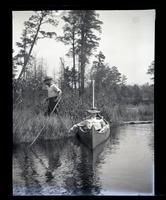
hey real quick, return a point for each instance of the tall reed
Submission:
(28, 119)
(26, 126)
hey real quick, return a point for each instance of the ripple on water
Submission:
(123, 165)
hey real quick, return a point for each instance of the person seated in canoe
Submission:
(53, 95)
(94, 119)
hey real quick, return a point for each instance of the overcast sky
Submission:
(127, 41)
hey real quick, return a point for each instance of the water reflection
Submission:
(86, 169)
(28, 172)
(51, 152)
(67, 167)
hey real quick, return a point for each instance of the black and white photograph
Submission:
(83, 102)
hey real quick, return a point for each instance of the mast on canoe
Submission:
(93, 110)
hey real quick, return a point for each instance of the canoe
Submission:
(94, 129)
(92, 137)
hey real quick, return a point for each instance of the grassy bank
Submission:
(27, 123)
(121, 113)
(26, 126)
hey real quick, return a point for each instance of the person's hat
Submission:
(47, 78)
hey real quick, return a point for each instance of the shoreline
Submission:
(71, 135)
(27, 124)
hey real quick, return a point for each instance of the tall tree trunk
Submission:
(27, 58)
(25, 53)
(62, 71)
(74, 67)
(82, 62)
(79, 79)
(82, 77)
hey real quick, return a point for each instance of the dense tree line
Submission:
(80, 34)
(111, 84)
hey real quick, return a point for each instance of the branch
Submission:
(26, 61)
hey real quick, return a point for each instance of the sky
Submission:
(127, 41)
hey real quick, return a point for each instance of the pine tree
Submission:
(99, 70)
(34, 32)
(70, 38)
(80, 32)
(123, 80)
(88, 41)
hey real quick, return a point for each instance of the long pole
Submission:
(93, 92)
(45, 124)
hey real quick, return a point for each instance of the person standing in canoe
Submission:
(54, 94)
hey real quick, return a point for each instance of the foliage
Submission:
(69, 38)
(79, 33)
(151, 70)
(88, 41)
(30, 88)
(32, 32)
(14, 67)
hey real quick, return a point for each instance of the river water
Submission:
(123, 165)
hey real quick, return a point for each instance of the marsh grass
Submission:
(27, 122)
(120, 113)
(26, 126)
